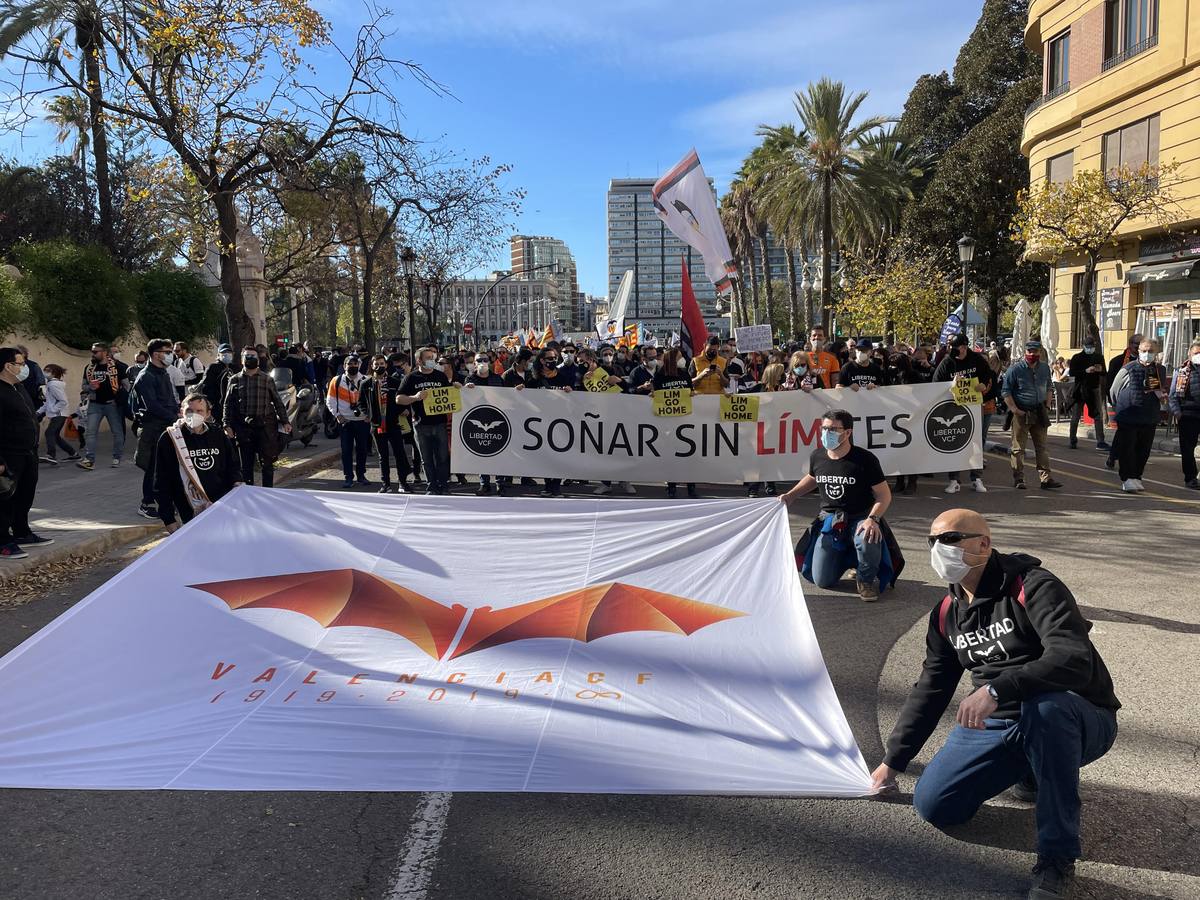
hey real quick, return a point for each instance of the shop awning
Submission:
(1175, 271)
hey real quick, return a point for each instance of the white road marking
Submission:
(418, 855)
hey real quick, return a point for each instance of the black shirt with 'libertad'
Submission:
(846, 483)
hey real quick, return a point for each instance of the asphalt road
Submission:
(1130, 560)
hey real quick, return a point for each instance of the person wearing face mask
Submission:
(1185, 404)
(961, 362)
(1138, 395)
(432, 437)
(641, 379)
(386, 420)
(800, 376)
(672, 375)
(1025, 388)
(215, 383)
(708, 370)
(1043, 705)
(483, 376)
(195, 464)
(862, 371)
(823, 364)
(254, 413)
(188, 364)
(1087, 368)
(548, 376)
(850, 531)
(343, 399)
(18, 457)
(105, 385)
(155, 405)
(608, 358)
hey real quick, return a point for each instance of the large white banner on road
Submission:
(289, 640)
(912, 429)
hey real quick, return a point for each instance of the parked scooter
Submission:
(304, 413)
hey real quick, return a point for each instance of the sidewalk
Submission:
(90, 512)
(1162, 443)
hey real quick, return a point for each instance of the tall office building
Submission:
(532, 251)
(638, 240)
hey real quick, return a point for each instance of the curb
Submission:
(1161, 444)
(127, 534)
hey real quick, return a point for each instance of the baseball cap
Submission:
(864, 344)
(1033, 345)
(224, 348)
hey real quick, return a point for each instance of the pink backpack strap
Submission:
(944, 611)
(1021, 591)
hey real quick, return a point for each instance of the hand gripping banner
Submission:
(421, 643)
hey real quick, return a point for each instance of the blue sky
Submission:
(574, 93)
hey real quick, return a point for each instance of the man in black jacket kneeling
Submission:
(1043, 704)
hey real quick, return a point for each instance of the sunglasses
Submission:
(952, 537)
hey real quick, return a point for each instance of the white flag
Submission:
(612, 328)
(685, 201)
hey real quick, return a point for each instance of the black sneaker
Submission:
(1051, 485)
(752, 494)
(148, 510)
(501, 490)
(1052, 879)
(1110, 462)
(483, 490)
(1193, 483)
(12, 550)
(385, 488)
(1025, 790)
(528, 482)
(671, 491)
(692, 491)
(363, 482)
(772, 491)
(1019, 485)
(33, 540)
(1074, 445)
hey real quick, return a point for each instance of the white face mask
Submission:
(681, 364)
(863, 357)
(568, 358)
(194, 420)
(651, 364)
(168, 358)
(1145, 356)
(482, 368)
(947, 561)
(1196, 358)
(427, 365)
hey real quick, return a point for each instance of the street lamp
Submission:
(966, 255)
(408, 260)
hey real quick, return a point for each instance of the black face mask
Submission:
(711, 354)
(352, 370)
(250, 362)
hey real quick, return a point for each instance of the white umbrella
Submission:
(1020, 327)
(1049, 328)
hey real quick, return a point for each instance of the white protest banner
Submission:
(912, 429)
(753, 337)
(393, 643)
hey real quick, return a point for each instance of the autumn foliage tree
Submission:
(1083, 215)
(904, 296)
(223, 84)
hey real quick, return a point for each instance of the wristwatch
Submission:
(992, 692)
(874, 519)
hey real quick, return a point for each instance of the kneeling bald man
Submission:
(1043, 704)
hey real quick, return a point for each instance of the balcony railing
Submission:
(1130, 53)
(1053, 94)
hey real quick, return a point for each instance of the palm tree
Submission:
(767, 164)
(733, 217)
(825, 166)
(69, 113)
(18, 20)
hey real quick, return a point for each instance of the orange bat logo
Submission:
(349, 597)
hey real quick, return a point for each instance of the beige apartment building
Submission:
(1121, 86)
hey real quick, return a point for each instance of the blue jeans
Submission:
(1056, 735)
(354, 437)
(828, 564)
(96, 413)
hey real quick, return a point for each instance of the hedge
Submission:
(76, 294)
(176, 304)
(14, 306)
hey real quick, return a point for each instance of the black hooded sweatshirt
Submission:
(1021, 649)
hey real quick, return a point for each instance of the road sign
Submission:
(468, 328)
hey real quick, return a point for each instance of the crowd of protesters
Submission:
(374, 404)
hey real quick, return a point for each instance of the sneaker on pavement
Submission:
(671, 490)
(86, 464)
(148, 511)
(48, 460)
(1129, 486)
(348, 483)
(1110, 462)
(483, 490)
(1025, 790)
(1193, 483)
(116, 463)
(12, 550)
(691, 491)
(602, 490)
(385, 488)
(1103, 445)
(868, 592)
(33, 540)
(1051, 485)
(1074, 444)
(1138, 482)
(1052, 879)
(1019, 484)
(629, 488)
(73, 457)
(952, 486)
(979, 486)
